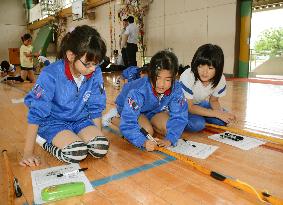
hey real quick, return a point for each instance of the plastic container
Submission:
(62, 191)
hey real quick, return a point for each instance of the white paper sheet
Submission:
(193, 149)
(246, 143)
(48, 177)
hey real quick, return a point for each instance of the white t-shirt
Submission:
(79, 80)
(26, 62)
(132, 32)
(196, 91)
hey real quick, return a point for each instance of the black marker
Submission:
(17, 188)
(72, 172)
(147, 135)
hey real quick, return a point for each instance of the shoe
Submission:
(40, 140)
(106, 119)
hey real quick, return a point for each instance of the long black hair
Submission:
(163, 60)
(211, 55)
(83, 40)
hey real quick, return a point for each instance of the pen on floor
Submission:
(17, 188)
(71, 172)
(147, 135)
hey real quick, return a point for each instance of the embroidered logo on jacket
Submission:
(37, 91)
(86, 96)
(165, 108)
(182, 100)
(133, 104)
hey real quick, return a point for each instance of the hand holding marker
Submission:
(148, 136)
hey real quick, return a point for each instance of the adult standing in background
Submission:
(122, 42)
(131, 37)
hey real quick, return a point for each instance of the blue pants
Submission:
(197, 123)
(49, 129)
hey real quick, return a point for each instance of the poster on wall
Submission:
(34, 13)
(77, 10)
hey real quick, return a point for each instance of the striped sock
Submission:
(98, 147)
(72, 153)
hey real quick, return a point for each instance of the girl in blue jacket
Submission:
(129, 74)
(66, 103)
(155, 103)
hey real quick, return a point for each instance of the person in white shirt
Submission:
(205, 81)
(131, 37)
(117, 59)
(26, 58)
(8, 72)
(123, 43)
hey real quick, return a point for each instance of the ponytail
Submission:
(64, 42)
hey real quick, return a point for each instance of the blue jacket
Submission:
(56, 96)
(131, 73)
(138, 97)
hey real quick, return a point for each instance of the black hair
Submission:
(26, 36)
(5, 65)
(182, 68)
(83, 40)
(116, 52)
(125, 19)
(144, 68)
(131, 19)
(163, 60)
(211, 55)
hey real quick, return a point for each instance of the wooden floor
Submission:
(128, 175)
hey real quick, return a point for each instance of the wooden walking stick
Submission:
(13, 184)
(10, 177)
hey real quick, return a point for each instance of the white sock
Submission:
(40, 140)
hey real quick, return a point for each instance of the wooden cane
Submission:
(11, 191)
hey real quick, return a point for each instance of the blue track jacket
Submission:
(138, 97)
(56, 96)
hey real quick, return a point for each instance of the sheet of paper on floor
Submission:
(246, 144)
(193, 149)
(48, 177)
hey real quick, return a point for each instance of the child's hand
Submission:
(149, 145)
(163, 143)
(227, 117)
(30, 161)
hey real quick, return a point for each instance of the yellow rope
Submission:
(263, 196)
(252, 189)
(247, 133)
